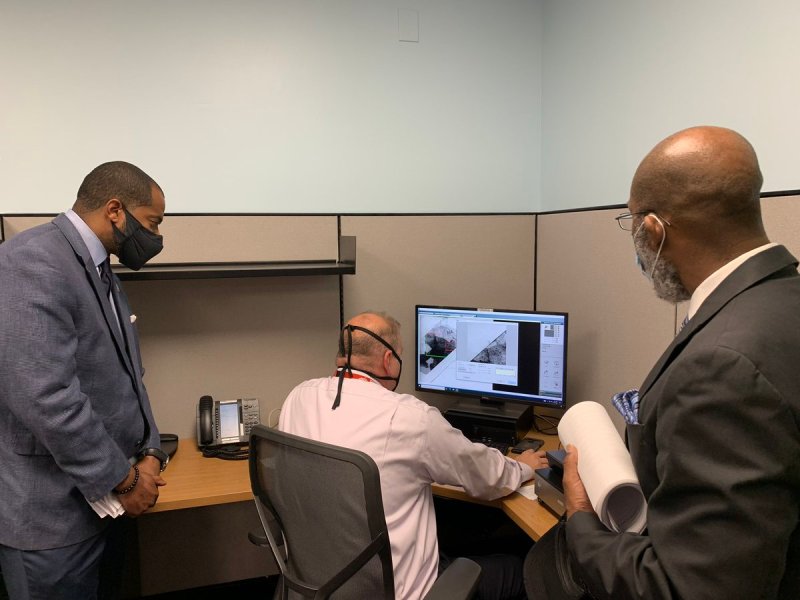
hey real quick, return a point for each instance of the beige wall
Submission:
(247, 238)
(13, 225)
(221, 238)
(231, 338)
(782, 221)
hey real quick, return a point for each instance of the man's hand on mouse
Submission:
(535, 459)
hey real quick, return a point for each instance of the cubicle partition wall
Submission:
(618, 328)
(229, 338)
(782, 220)
(232, 337)
(12, 225)
(236, 337)
(585, 265)
(259, 336)
(448, 260)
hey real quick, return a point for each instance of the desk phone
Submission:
(222, 422)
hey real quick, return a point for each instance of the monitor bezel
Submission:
(493, 398)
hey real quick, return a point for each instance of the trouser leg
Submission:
(68, 573)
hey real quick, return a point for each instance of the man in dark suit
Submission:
(717, 445)
(77, 435)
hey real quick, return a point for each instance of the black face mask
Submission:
(136, 245)
(346, 350)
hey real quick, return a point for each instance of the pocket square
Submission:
(133, 319)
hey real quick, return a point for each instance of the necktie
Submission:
(683, 323)
(105, 276)
(107, 280)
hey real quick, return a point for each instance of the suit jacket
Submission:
(717, 452)
(73, 408)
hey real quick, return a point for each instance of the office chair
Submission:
(321, 509)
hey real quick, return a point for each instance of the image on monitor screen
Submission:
(491, 353)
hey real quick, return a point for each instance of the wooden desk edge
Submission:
(530, 516)
(194, 481)
(200, 501)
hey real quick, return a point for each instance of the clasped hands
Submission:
(145, 493)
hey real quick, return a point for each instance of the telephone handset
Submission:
(224, 422)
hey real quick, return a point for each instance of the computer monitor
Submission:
(495, 355)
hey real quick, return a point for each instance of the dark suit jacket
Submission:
(72, 404)
(717, 453)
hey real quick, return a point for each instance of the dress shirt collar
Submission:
(711, 282)
(358, 375)
(93, 243)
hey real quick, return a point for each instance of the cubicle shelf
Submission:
(345, 265)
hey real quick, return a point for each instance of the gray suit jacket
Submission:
(73, 408)
(717, 453)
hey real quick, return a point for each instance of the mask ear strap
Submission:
(661, 245)
(347, 367)
(380, 339)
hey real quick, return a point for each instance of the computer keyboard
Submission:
(502, 446)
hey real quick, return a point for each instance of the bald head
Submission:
(705, 178)
(696, 207)
(367, 349)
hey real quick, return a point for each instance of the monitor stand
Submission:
(506, 422)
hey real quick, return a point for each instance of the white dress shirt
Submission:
(413, 446)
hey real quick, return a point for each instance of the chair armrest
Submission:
(458, 582)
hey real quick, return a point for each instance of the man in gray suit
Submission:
(77, 433)
(717, 442)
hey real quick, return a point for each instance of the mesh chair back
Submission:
(328, 507)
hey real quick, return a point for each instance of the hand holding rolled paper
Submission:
(605, 467)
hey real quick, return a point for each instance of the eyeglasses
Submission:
(625, 220)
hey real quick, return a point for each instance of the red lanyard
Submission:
(349, 375)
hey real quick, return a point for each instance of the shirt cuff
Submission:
(107, 506)
(527, 472)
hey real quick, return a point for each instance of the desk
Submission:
(181, 549)
(222, 513)
(194, 481)
(530, 516)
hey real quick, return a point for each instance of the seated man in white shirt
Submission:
(410, 441)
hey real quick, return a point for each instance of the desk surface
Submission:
(530, 516)
(194, 481)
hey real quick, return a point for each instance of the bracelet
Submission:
(133, 484)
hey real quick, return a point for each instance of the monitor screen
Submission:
(493, 354)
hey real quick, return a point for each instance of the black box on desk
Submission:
(507, 422)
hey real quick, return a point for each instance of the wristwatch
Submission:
(162, 456)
